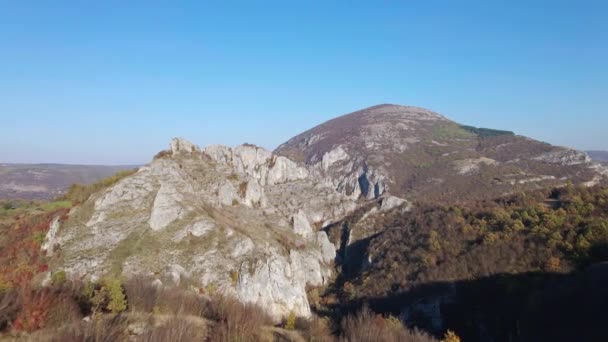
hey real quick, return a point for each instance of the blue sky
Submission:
(110, 82)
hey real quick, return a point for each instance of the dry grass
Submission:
(179, 302)
(102, 329)
(176, 329)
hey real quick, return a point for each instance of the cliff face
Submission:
(239, 220)
(417, 154)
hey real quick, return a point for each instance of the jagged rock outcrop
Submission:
(258, 163)
(181, 146)
(239, 219)
(301, 226)
(416, 154)
(565, 157)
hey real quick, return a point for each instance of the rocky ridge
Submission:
(240, 220)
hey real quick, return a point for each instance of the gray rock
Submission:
(328, 250)
(181, 146)
(301, 226)
(50, 238)
(227, 194)
(565, 157)
(391, 202)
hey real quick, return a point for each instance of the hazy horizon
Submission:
(111, 83)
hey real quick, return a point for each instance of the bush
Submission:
(316, 330)
(450, 336)
(9, 307)
(58, 277)
(366, 326)
(236, 321)
(34, 310)
(117, 301)
(108, 296)
(290, 323)
(142, 295)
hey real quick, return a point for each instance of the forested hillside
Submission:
(490, 270)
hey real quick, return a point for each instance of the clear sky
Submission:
(110, 82)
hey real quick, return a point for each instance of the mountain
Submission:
(417, 154)
(237, 220)
(393, 207)
(599, 156)
(47, 181)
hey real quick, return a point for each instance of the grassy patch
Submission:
(134, 244)
(451, 131)
(51, 206)
(485, 132)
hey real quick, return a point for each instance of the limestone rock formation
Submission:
(239, 219)
(180, 145)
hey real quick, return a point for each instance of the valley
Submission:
(48, 181)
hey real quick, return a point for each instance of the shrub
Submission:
(9, 307)
(58, 277)
(236, 321)
(162, 154)
(234, 277)
(450, 336)
(141, 294)
(290, 323)
(116, 297)
(366, 326)
(38, 237)
(107, 296)
(315, 330)
(34, 310)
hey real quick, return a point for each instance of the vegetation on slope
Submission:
(485, 132)
(115, 309)
(500, 268)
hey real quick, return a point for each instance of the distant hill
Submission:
(418, 154)
(47, 181)
(600, 156)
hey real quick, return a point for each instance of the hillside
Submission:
(417, 154)
(493, 270)
(47, 181)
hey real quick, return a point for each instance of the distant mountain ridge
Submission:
(47, 181)
(600, 156)
(417, 154)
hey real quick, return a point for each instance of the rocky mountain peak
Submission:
(415, 153)
(241, 220)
